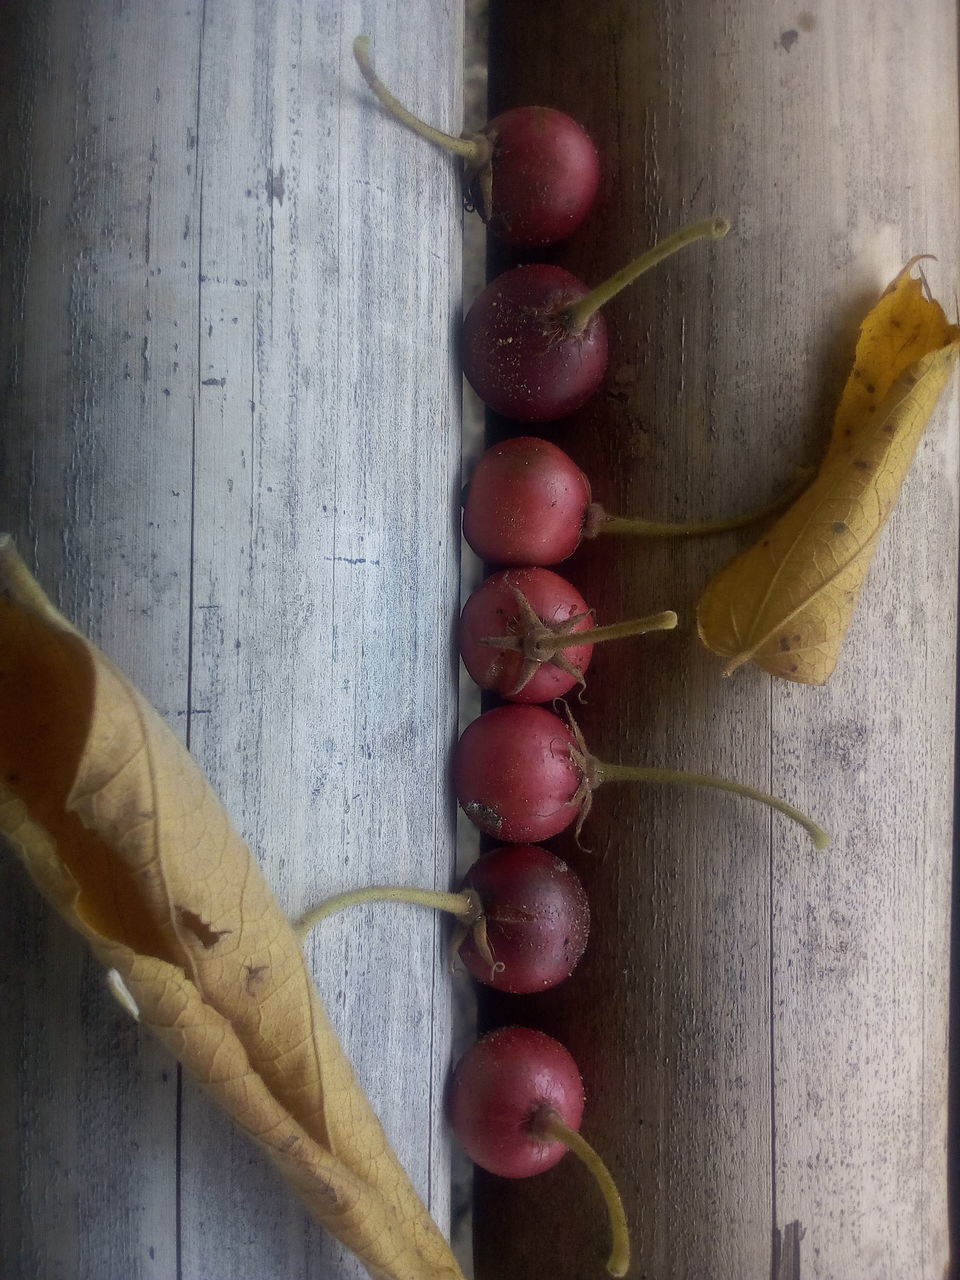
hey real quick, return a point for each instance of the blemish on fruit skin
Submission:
(839, 526)
(483, 815)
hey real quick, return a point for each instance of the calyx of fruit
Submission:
(539, 641)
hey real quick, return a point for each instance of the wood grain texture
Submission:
(230, 450)
(762, 1028)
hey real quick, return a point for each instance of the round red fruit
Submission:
(536, 919)
(544, 175)
(515, 776)
(536, 616)
(517, 351)
(526, 503)
(499, 1086)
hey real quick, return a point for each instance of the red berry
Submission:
(526, 503)
(517, 350)
(532, 173)
(544, 176)
(521, 774)
(534, 342)
(536, 611)
(498, 1088)
(529, 503)
(536, 919)
(514, 773)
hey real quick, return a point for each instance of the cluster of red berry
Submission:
(517, 1097)
(534, 348)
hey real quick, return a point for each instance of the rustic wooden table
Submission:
(230, 450)
(763, 1028)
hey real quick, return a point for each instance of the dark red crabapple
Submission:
(523, 917)
(534, 344)
(535, 923)
(521, 773)
(519, 351)
(528, 634)
(531, 173)
(516, 1103)
(496, 1090)
(528, 503)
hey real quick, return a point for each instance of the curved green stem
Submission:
(475, 150)
(631, 773)
(548, 1123)
(598, 521)
(579, 313)
(548, 645)
(462, 905)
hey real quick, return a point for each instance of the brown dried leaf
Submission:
(118, 827)
(786, 603)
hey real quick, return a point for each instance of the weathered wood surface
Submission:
(230, 441)
(762, 1028)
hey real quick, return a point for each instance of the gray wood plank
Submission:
(761, 1027)
(95, 486)
(861, 938)
(230, 448)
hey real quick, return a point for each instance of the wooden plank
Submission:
(762, 1029)
(861, 939)
(231, 442)
(96, 489)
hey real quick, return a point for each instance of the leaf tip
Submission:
(735, 663)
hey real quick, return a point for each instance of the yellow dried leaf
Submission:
(118, 827)
(787, 601)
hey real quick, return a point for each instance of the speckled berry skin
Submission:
(526, 503)
(516, 350)
(514, 774)
(499, 1085)
(536, 916)
(545, 176)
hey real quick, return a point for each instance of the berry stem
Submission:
(602, 772)
(475, 150)
(465, 906)
(578, 315)
(548, 1123)
(665, 621)
(599, 521)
